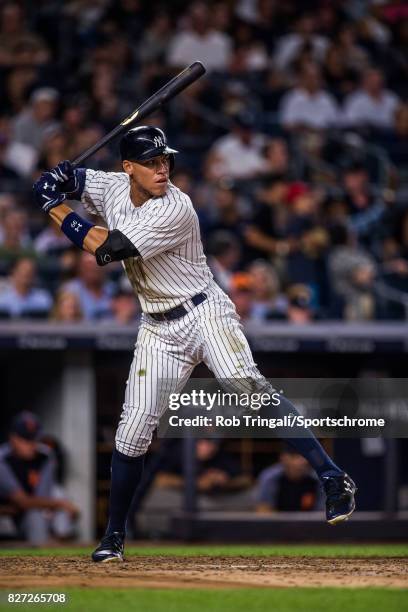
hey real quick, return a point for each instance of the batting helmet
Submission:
(145, 142)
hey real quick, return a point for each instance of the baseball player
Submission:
(153, 229)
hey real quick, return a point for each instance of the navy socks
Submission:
(126, 474)
(308, 446)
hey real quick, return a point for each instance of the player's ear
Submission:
(127, 167)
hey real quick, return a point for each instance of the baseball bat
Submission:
(177, 84)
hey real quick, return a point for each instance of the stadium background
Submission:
(293, 150)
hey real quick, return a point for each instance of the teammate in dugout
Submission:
(187, 318)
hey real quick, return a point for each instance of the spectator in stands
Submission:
(277, 157)
(51, 240)
(373, 105)
(250, 54)
(394, 254)
(54, 148)
(199, 40)
(7, 203)
(309, 106)
(224, 254)
(155, 41)
(355, 59)
(299, 310)
(353, 272)
(304, 36)
(217, 470)
(17, 156)
(18, 82)
(266, 232)
(356, 184)
(17, 43)
(340, 79)
(21, 298)
(241, 294)
(14, 239)
(124, 306)
(8, 176)
(396, 144)
(238, 155)
(304, 208)
(307, 265)
(365, 204)
(288, 486)
(227, 211)
(31, 125)
(27, 483)
(92, 289)
(267, 301)
(67, 308)
(87, 138)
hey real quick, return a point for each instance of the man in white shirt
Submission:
(200, 42)
(372, 105)
(308, 105)
(238, 155)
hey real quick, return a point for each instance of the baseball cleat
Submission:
(340, 491)
(111, 548)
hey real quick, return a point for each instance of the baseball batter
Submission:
(153, 229)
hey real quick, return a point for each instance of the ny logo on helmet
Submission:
(158, 141)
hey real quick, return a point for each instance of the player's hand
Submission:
(47, 193)
(66, 176)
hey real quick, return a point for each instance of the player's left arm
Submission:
(63, 183)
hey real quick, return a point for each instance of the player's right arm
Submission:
(16, 496)
(62, 183)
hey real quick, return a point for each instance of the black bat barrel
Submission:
(177, 84)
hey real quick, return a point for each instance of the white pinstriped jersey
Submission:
(165, 230)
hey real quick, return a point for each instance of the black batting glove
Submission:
(66, 175)
(47, 193)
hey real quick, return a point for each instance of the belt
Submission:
(178, 311)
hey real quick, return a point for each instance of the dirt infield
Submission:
(203, 572)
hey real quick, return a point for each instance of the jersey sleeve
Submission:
(93, 184)
(162, 231)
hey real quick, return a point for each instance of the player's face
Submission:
(151, 175)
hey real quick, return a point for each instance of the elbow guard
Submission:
(115, 248)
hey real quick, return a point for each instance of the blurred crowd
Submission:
(293, 148)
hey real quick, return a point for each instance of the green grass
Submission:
(225, 600)
(286, 550)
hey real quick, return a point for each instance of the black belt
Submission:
(178, 311)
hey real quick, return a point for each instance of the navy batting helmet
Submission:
(145, 142)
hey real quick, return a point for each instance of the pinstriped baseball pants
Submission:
(169, 351)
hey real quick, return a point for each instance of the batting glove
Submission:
(47, 194)
(67, 177)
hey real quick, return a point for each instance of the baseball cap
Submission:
(241, 281)
(26, 425)
(296, 190)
